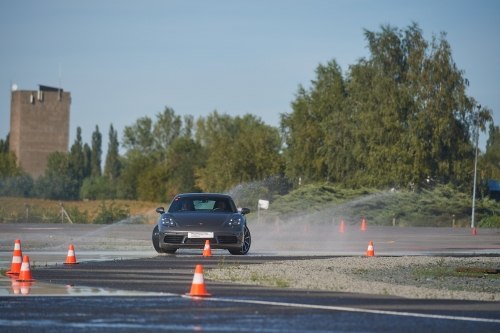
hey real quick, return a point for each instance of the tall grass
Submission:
(16, 210)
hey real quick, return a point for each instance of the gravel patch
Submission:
(410, 277)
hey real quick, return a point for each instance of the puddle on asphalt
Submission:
(12, 287)
(52, 258)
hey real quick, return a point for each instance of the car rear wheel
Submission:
(156, 242)
(247, 241)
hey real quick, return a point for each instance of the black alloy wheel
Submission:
(156, 242)
(247, 241)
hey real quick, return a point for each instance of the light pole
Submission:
(475, 165)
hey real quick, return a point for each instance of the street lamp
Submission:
(475, 165)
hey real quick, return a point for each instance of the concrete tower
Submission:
(39, 125)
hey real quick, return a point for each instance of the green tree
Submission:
(97, 188)
(139, 137)
(492, 154)
(87, 157)
(112, 166)
(5, 144)
(489, 162)
(8, 161)
(185, 156)
(167, 128)
(401, 117)
(96, 152)
(238, 150)
(74, 166)
(58, 181)
(316, 133)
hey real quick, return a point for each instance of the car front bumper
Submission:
(224, 238)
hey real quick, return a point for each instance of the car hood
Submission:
(187, 219)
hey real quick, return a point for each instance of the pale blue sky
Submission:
(122, 60)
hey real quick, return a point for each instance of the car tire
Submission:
(247, 241)
(156, 242)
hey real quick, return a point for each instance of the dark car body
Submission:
(194, 218)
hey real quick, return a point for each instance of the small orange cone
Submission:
(305, 227)
(17, 259)
(370, 252)
(342, 227)
(71, 259)
(207, 252)
(363, 225)
(474, 230)
(198, 286)
(25, 275)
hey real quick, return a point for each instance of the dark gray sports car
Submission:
(192, 218)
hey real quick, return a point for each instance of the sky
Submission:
(123, 60)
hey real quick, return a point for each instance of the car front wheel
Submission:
(247, 241)
(156, 242)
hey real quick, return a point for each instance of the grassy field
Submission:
(95, 212)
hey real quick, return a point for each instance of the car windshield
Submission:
(203, 204)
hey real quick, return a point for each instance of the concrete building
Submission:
(39, 125)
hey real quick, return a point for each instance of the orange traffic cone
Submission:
(474, 230)
(17, 259)
(342, 227)
(207, 252)
(305, 227)
(198, 286)
(25, 275)
(363, 225)
(370, 252)
(71, 259)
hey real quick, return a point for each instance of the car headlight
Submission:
(234, 221)
(168, 221)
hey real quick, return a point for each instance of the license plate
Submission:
(200, 235)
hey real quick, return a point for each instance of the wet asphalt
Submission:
(149, 294)
(231, 308)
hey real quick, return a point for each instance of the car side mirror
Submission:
(245, 211)
(160, 210)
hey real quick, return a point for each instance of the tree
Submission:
(492, 154)
(316, 132)
(185, 155)
(489, 163)
(96, 153)
(401, 117)
(74, 164)
(112, 166)
(238, 150)
(167, 128)
(139, 137)
(8, 161)
(87, 157)
(5, 145)
(58, 182)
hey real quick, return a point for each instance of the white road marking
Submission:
(341, 308)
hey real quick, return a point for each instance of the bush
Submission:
(111, 214)
(56, 187)
(97, 188)
(492, 221)
(20, 186)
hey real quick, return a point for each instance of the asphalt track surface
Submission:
(231, 308)
(164, 280)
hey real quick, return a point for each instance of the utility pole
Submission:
(475, 165)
